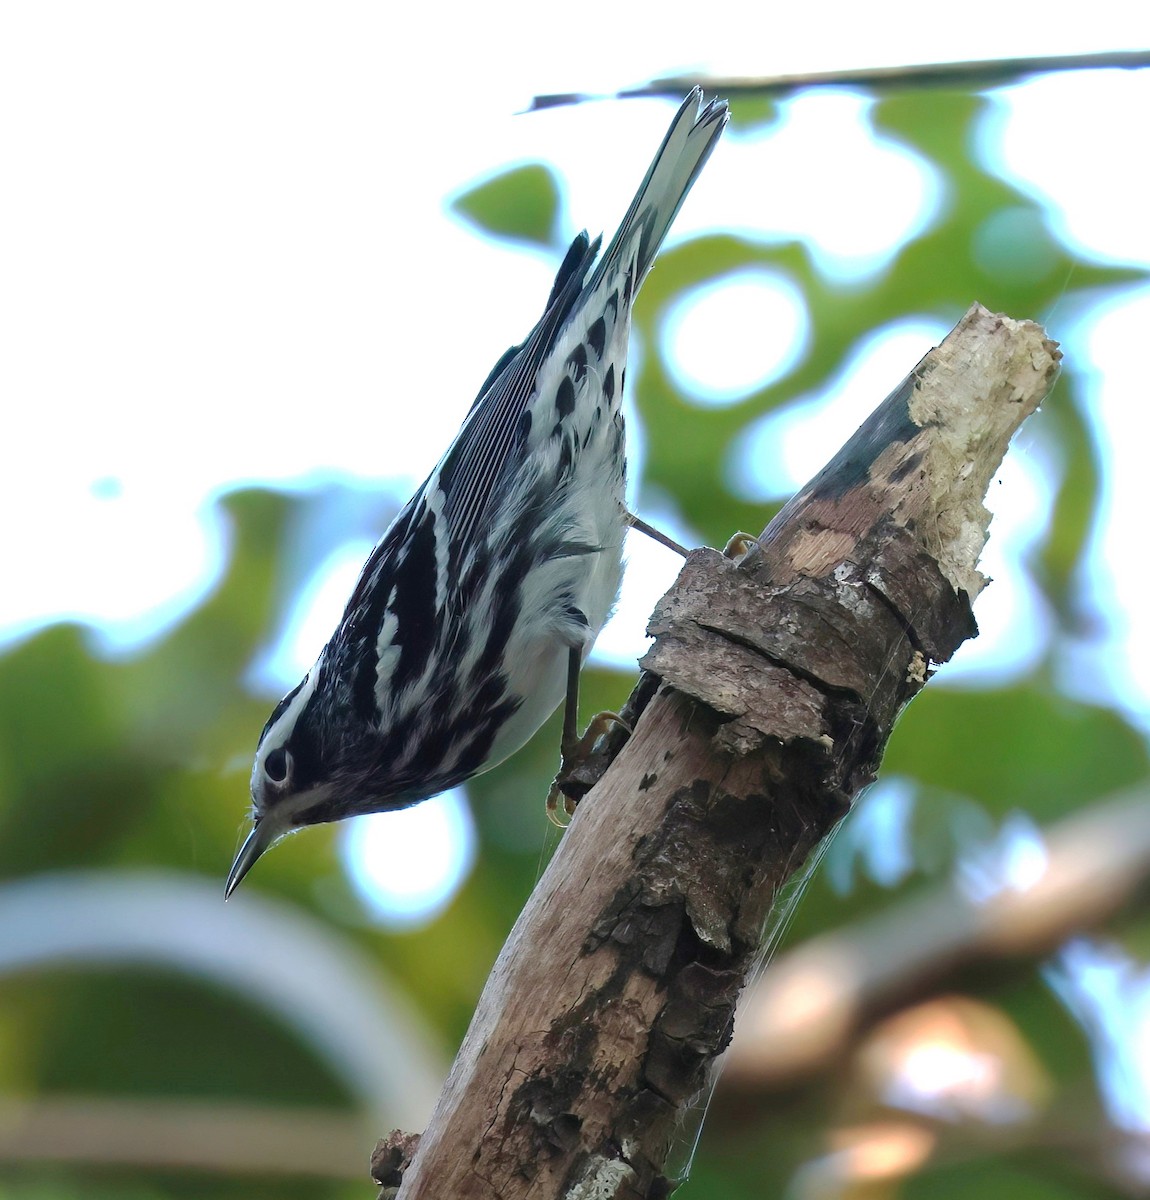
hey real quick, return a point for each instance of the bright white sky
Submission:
(225, 260)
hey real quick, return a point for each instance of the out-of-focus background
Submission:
(256, 260)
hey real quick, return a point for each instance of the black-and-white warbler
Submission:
(473, 615)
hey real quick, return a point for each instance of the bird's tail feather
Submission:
(676, 166)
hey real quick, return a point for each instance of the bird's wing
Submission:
(473, 466)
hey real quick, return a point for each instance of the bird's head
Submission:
(291, 784)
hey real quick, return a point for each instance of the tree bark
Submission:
(766, 703)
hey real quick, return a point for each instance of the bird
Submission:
(471, 618)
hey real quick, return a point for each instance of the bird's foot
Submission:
(739, 544)
(584, 760)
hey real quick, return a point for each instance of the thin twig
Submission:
(975, 74)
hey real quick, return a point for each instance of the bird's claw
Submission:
(740, 544)
(581, 767)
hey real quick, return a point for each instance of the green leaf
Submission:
(522, 204)
(753, 113)
(1022, 747)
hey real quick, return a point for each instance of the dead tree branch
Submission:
(769, 696)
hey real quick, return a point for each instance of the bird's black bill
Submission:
(254, 845)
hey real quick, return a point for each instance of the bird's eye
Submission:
(277, 764)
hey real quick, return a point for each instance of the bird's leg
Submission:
(571, 703)
(656, 534)
(576, 749)
(577, 772)
(736, 547)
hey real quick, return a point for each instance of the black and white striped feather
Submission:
(453, 648)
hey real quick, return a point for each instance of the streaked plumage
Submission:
(455, 644)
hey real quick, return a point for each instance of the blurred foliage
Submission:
(522, 205)
(119, 763)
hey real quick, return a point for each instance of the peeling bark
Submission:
(766, 704)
